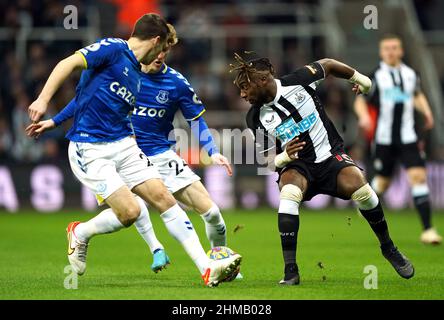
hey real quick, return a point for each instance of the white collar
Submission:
(390, 68)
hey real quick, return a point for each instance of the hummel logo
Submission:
(125, 72)
(270, 120)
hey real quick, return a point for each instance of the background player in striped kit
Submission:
(395, 94)
(285, 114)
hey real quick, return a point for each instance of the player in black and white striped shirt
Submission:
(286, 115)
(395, 95)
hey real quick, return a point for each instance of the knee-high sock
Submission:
(215, 227)
(105, 222)
(421, 200)
(180, 227)
(288, 223)
(371, 209)
(375, 217)
(145, 227)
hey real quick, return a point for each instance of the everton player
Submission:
(103, 153)
(287, 117)
(164, 91)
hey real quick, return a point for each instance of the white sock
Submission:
(420, 190)
(180, 227)
(289, 207)
(145, 227)
(105, 222)
(215, 227)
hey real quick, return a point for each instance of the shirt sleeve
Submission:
(418, 88)
(66, 113)
(189, 103)
(308, 75)
(101, 53)
(200, 129)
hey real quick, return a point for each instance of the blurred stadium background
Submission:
(36, 175)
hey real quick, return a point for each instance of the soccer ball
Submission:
(219, 253)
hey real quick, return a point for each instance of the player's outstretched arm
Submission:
(221, 160)
(200, 129)
(341, 70)
(422, 105)
(60, 73)
(36, 129)
(361, 110)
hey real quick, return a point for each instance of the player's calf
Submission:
(215, 227)
(368, 203)
(288, 223)
(124, 205)
(145, 228)
(154, 192)
(371, 210)
(128, 216)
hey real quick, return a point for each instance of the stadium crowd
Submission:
(21, 81)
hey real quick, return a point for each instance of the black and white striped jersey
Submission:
(393, 93)
(295, 111)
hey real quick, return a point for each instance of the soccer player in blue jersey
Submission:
(103, 153)
(163, 92)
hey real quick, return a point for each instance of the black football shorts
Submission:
(321, 177)
(387, 156)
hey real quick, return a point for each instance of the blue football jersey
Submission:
(161, 95)
(106, 92)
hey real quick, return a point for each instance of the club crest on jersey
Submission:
(270, 120)
(162, 96)
(101, 187)
(300, 97)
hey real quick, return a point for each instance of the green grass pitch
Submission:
(33, 257)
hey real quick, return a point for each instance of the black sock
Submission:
(288, 228)
(422, 204)
(375, 217)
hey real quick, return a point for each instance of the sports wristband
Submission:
(282, 159)
(363, 81)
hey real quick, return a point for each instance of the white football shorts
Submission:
(104, 167)
(174, 170)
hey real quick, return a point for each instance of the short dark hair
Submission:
(149, 26)
(390, 36)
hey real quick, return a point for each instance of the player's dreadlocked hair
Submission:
(245, 69)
